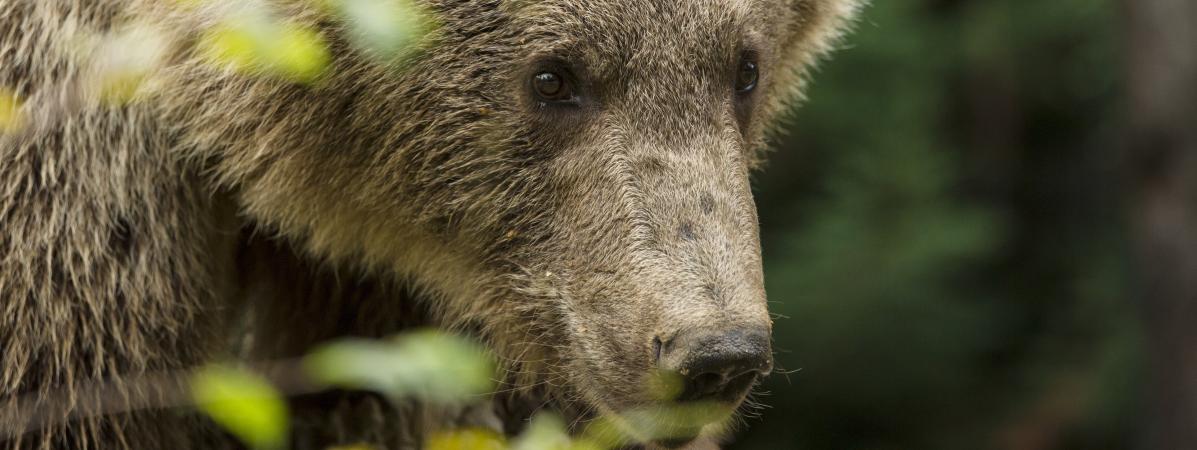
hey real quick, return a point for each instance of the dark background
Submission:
(952, 238)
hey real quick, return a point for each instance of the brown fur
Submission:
(565, 240)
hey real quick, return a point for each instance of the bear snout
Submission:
(717, 366)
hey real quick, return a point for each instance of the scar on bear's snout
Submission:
(686, 231)
(707, 203)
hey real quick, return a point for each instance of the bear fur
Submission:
(225, 214)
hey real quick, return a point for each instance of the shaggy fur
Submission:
(136, 238)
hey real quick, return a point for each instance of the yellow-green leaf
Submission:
(301, 53)
(232, 45)
(257, 44)
(244, 404)
(428, 365)
(11, 118)
(466, 439)
(119, 88)
(353, 447)
(659, 422)
(188, 4)
(665, 385)
(546, 432)
(126, 59)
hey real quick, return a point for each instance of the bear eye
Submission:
(551, 87)
(747, 75)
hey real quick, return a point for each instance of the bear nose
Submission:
(717, 366)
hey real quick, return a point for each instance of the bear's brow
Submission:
(608, 40)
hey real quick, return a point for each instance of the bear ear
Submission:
(813, 29)
(816, 26)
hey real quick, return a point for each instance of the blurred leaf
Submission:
(120, 88)
(427, 365)
(668, 421)
(353, 447)
(383, 28)
(11, 118)
(126, 59)
(665, 385)
(256, 43)
(606, 432)
(546, 432)
(244, 404)
(302, 54)
(467, 439)
(188, 4)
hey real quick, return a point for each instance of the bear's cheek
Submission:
(605, 362)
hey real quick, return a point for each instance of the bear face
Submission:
(566, 179)
(652, 247)
(569, 179)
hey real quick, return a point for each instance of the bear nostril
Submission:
(718, 367)
(704, 385)
(725, 384)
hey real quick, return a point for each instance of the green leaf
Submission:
(126, 59)
(665, 385)
(427, 365)
(383, 28)
(243, 403)
(546, 432)
(665, 421)
(353, 447)
(258, 44)
(466, 439)
(11, 118)
(301, 53)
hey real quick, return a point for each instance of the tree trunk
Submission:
(1162, 145)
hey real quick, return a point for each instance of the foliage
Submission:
(244, 404)
(938, 241)
(467, 439)
(10, 112)
(249, 37)
(256, 44)
(384, 29)
(425, 365)
(433, 367)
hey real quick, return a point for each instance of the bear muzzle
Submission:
(717, 366)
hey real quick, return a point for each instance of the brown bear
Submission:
(565, 180)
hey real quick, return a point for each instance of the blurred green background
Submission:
(943, 237)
